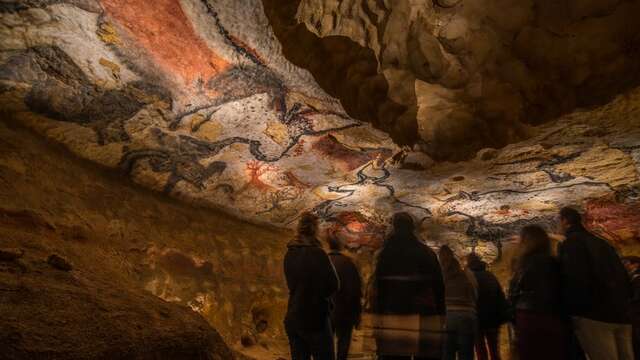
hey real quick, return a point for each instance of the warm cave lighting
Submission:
(319, 179)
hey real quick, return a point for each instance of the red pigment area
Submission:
(165, 32)
(355, 231)
(346, 158)
(255, 169)
(616, 221)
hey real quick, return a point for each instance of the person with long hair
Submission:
(460, 293)
(535, 293)
(312, 281)
(408, 296)
(348, 300)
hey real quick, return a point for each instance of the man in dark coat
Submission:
(632, 264)
(597, 291)
(408, 285)
(347, 301)
(492, 308)
(312, 281)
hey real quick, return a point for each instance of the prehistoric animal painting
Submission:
(194, 98)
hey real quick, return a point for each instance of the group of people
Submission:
(569, 303)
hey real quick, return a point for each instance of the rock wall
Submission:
(475, 72)
(51, 309)
(345, 69)
(191, 98)
(123, 238)
(228, 141)
(196, 100)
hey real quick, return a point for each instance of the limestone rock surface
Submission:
(215, 106)
(149, 275)
(476, 73)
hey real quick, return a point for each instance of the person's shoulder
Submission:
(311, 251)
(543, 260)
(340, 259)
(489, 275)
(425, 249)
(317, 250)
(573, 241)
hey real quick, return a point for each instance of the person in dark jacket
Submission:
(347, 301)
(492, 308)
(632, 264)
(408, 286)
(597, 291)
(460, 294)
(535, 293)
(312, 281)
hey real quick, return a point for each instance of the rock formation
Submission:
(475, 72)
(233, 117)
(127, 249)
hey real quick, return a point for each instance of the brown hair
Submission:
(533, 240)
(571, 215)
(307, 225)
(450, 265)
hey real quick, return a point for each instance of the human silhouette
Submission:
(597, 291)
(408, 296)
(492, 309)
(348, 300)
(312, 281)
(535, 294)
(460, 293)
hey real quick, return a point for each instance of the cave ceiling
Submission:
(210, 102)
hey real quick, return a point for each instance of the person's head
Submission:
(474, 262)
(533, 240)
(448, 261)
(333, 241)
(402, 223)
(569, 217)
(307, 225)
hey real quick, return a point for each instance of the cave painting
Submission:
(615, 219)
(197, 101)
(163, 30)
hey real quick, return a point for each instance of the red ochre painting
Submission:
(354, 230)
(163, 29)
(616, 221)
(348, 159)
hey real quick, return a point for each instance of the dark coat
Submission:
(347, 301)
(492, 306)
(536, 285)
(312, 281)
(634, 306)
(596, 284)
(408, 279)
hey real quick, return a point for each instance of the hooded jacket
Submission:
(312, 280)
